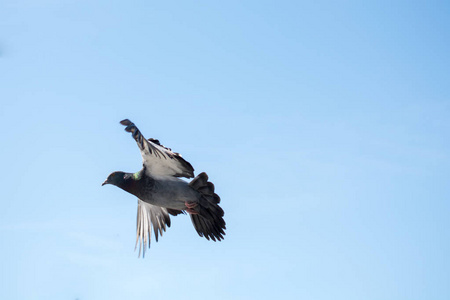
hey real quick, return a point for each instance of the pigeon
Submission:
(161, 192)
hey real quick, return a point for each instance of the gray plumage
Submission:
(160, 192)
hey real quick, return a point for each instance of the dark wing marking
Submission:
(175, 212)
(157, 159)
(149, 216)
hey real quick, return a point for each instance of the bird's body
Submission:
(161, 192)
(172, 193)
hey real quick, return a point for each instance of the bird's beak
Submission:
(105, 182)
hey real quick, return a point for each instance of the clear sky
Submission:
(324, 126)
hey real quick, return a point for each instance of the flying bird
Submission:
(161, 192)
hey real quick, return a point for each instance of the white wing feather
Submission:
(157, 159)
(149, 216)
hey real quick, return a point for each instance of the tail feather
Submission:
(209, 222)
(212, 198)
(207, 189)
(199, 181)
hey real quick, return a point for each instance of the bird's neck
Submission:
(128, 183)
(134, 183)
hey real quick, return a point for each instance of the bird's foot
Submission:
(191, 207)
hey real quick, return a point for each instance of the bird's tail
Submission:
(209, 221)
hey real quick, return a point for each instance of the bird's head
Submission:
(115, 178)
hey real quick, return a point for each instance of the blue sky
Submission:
(324, 127)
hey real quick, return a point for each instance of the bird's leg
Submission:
(190, 207)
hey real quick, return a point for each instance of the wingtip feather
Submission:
(126, 122)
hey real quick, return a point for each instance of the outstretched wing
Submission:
(149, 216)
(157, 159)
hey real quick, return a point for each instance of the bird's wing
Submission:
(149, 216)
(157, 159)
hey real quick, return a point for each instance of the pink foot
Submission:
(190, 207)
